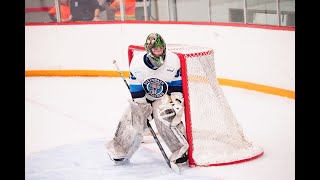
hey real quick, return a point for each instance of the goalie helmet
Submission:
(154, 40)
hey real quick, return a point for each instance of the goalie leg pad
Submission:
(124, 144)
(182, 150)
(173, 136)
(139, 115)
(128, 136)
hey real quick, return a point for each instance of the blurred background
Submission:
(264, 12)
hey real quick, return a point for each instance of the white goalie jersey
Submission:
(153, 84)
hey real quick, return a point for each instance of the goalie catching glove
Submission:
(171, 109)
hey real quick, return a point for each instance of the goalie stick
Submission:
(172, 165)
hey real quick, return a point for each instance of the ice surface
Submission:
(69, 120)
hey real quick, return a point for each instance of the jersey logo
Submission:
(155, 87)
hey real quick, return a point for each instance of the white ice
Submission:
(69, 120)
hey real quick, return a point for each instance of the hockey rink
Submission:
(68, 120)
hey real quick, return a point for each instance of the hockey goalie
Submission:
(156, 90)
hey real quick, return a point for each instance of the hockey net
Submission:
(213, 133)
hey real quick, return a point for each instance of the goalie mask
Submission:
(154, 40)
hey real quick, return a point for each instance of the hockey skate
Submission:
(121, 161)
(182, 161)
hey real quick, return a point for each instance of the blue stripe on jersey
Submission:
(136, 88)
(175, 83)
(174, 89)
(137, 91)
(138, 94)
(175, 86)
